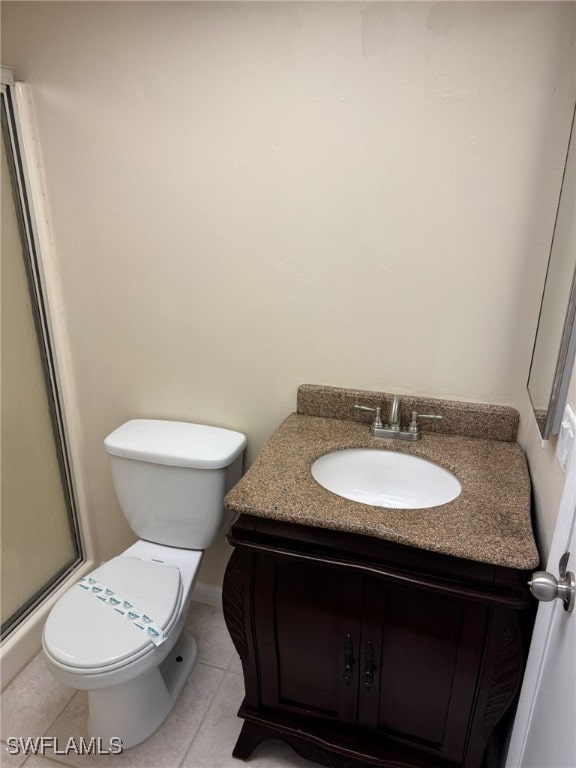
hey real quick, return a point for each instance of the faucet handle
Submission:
(414, 427)
(377, 423)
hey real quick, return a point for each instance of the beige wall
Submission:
(246, 197)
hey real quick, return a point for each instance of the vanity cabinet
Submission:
(360, 652)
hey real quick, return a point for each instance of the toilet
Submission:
(118, 633)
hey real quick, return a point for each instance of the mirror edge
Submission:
(563, 372)
(550, 425)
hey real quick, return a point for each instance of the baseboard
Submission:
(210, 594)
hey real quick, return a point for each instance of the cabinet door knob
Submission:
(370, 667)
(348, 659)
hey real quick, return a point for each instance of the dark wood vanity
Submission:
(363, 652)
(374, 636)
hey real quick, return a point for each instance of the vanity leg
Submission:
(250, 736)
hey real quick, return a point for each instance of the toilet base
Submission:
(132, 711)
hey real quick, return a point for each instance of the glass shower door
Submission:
(39, 537)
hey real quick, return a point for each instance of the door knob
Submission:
(544, 586)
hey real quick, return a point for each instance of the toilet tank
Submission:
(171, 477)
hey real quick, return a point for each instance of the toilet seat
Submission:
(88, 636)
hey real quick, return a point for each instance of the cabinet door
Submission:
(308, 634)
(421, 657)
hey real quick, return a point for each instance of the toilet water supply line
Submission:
(124, 608)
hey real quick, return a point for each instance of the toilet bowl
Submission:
(119, 632)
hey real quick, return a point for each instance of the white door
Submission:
(544, 732)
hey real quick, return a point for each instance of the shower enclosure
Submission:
(40, 541)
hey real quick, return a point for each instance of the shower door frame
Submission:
(22, 640)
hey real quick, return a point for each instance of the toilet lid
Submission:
(87, 633)
(176, 443)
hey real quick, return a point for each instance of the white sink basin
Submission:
(385, 478)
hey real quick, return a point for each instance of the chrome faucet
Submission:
(394, 428)
(394, 417)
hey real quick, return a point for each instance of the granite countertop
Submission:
(489, 521)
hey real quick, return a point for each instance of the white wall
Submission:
(246, 197)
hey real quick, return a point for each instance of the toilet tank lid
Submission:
(176, 443)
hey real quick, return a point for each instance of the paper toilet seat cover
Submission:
(90, 630)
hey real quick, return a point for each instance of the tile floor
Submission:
(200, 732)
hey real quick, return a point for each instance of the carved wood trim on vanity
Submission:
(233, 603)
(506, 673)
